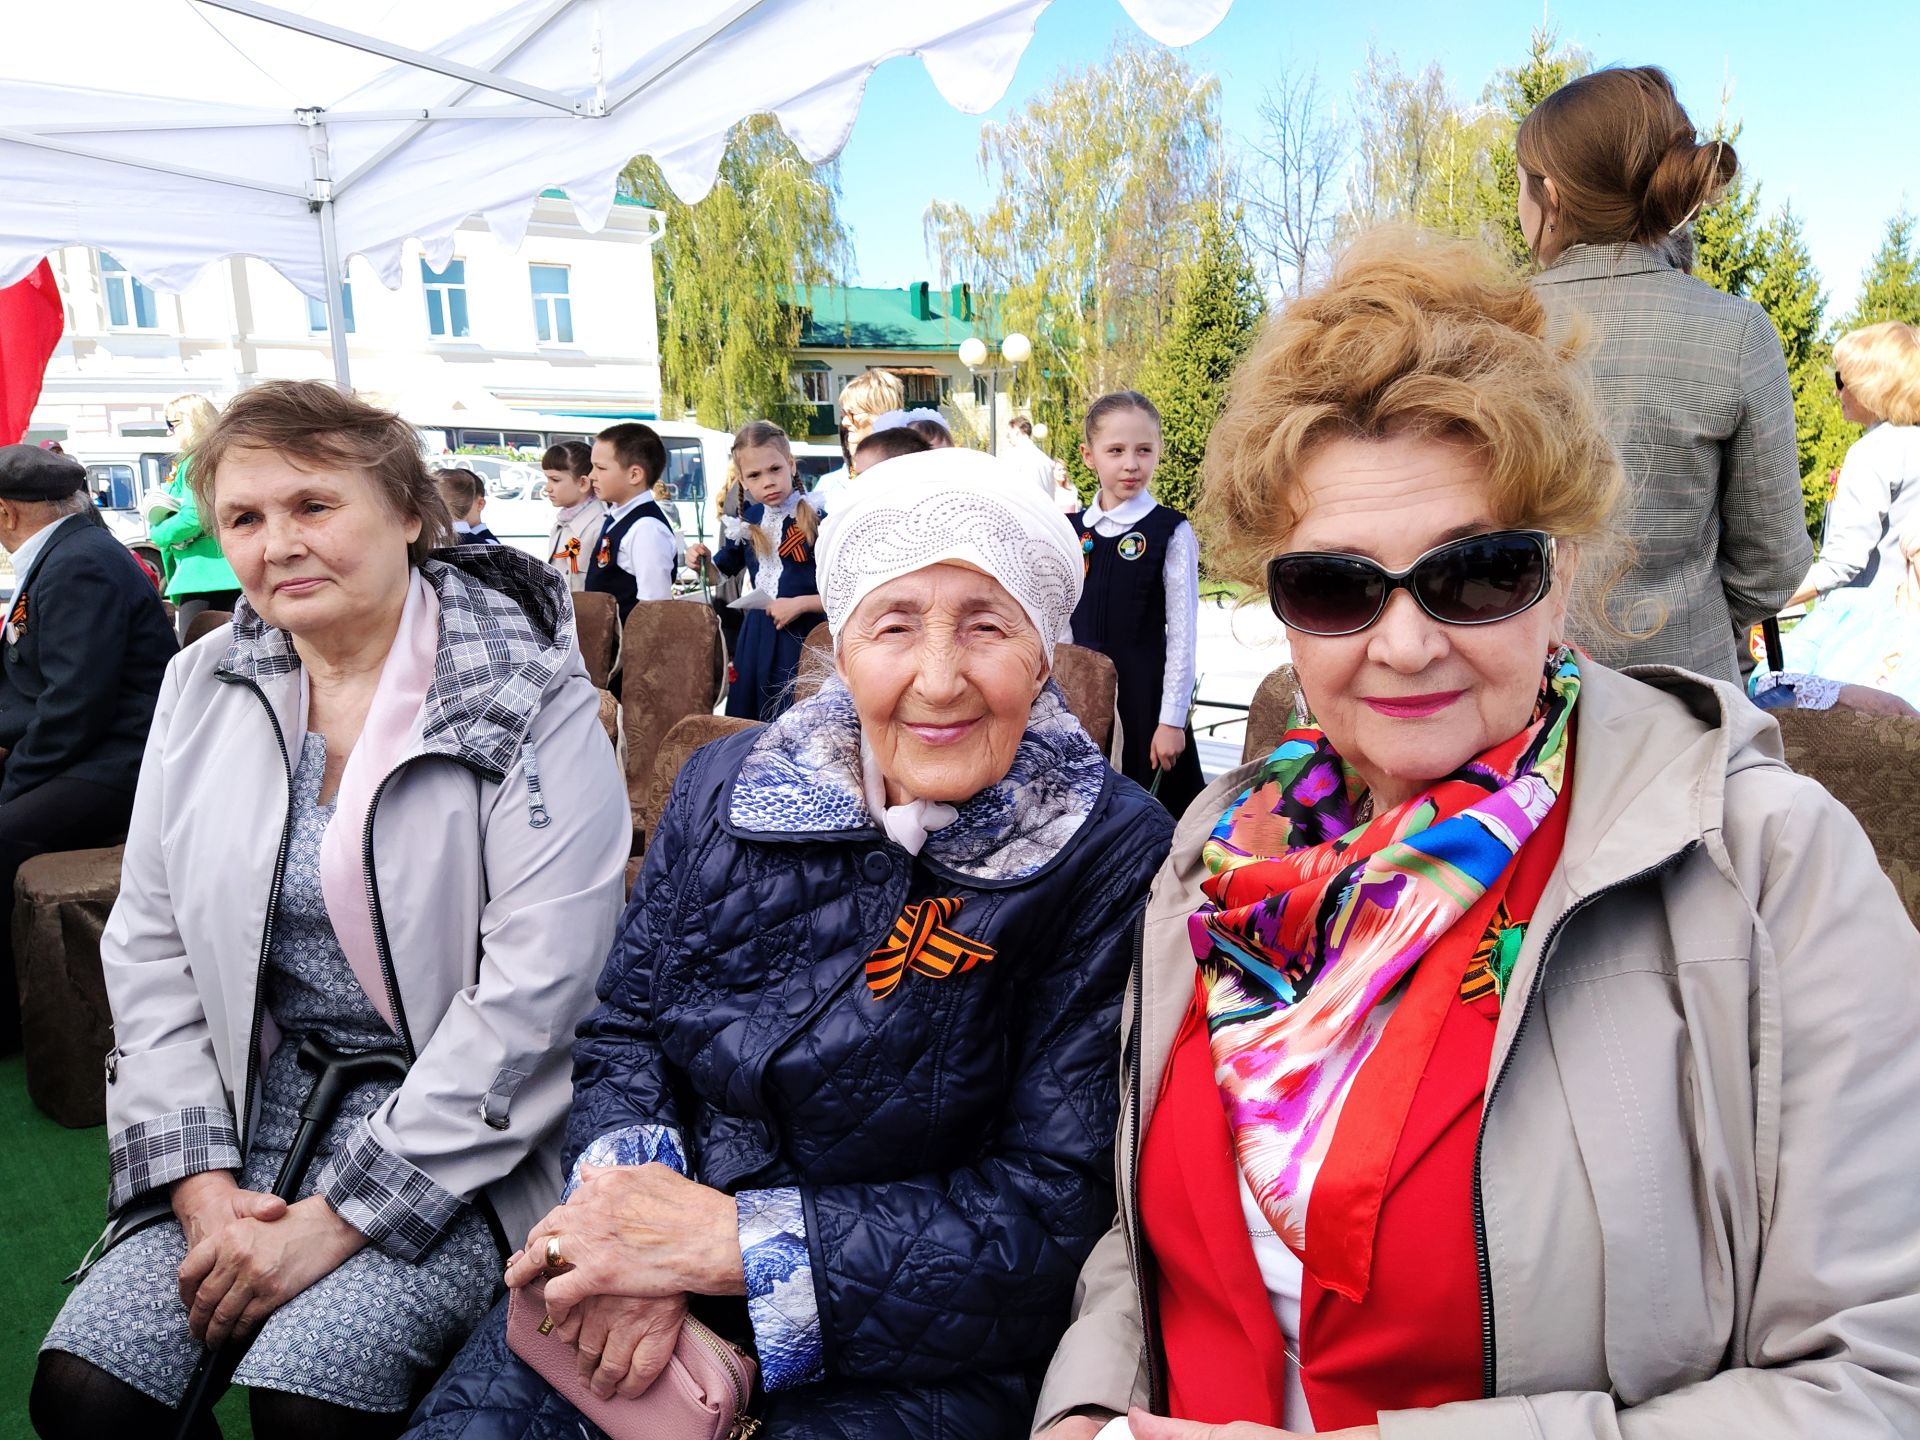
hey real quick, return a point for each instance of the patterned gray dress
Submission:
(362, 1336)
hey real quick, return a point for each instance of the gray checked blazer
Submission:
(1694, 389)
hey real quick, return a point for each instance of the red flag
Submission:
(31, 320)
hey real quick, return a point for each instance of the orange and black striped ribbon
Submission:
(793, 545)
(921, 941)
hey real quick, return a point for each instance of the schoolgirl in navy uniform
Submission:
(774, 541)
(1141, 604)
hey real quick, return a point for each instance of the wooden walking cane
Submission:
(338, 1074)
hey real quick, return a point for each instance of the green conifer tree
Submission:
(1548, 66)
(1787, 287)
(1890, 290)
(1217, 310)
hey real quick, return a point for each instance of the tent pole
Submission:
(336, 277)
(333, 271)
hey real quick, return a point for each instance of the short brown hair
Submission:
(636, 444)
(1412, 335)
(1624, 158)
(311, 425)
(460, 488)
(890, 445)
(1881, 366)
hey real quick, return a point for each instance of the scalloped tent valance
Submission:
(306, 132)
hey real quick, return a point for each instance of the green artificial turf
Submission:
(53, 1184)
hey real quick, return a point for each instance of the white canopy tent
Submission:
(307, 132)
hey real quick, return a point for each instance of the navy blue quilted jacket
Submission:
(946, 1148)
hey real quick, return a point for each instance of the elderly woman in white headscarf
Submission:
(849, 1089)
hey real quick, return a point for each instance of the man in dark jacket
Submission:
(86, 642)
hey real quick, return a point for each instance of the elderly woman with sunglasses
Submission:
(1520, 1051)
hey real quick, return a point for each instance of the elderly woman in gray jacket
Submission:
(378, 811)
(1692, 380)
(1520, 1051)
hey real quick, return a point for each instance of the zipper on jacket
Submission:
(1136, 1249)
(1490, 1370)
(245, 1117)
(537, 817)
(380, 946)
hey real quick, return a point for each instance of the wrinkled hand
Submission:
(213, 1199)
(1871, 701)
(238, 1275)
(1168, 742)
(698, 554)
(624, 1343)
(1157, 1427)
(784, 612)
(642, 1231)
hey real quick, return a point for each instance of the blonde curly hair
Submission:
(1412, 335)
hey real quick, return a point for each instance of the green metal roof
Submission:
(862, 317)
(619, 198)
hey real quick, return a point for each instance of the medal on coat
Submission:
(17, 621)
(1086, 551)
(1132, 545)
(603, 557)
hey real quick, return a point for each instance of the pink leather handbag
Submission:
(701, 1395)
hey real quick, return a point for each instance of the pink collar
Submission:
(387, 735)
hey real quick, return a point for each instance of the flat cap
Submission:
(29, 473)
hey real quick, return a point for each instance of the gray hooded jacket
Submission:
(494, 856)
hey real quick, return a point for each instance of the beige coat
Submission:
(584, 527)
(1702, 1135)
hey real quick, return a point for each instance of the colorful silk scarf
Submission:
(1315, 917)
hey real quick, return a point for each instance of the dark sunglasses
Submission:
(1480, 580)
(1839, 381)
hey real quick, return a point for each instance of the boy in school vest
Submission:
(633, 558)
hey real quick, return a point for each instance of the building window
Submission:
(982, 389)
(552, 308)
(130, 305)
(919, 390)
(446, 300)
(317, 313)
(815, 385)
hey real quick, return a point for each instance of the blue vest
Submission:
(603, 570)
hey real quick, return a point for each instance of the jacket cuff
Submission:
(781, 1304)
(1508, 1417)
(388, 1199)
(633, 1145)
(170, 1147)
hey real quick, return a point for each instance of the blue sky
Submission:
(1830, 97)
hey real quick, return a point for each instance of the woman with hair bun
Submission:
(1692, 380)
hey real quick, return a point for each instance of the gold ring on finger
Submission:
(555, 1260)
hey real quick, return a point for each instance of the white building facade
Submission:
(566, 325)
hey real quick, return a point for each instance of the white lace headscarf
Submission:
(951, 505)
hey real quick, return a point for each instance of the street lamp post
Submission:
(1016, 350)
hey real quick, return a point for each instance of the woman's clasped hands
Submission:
(248, 1253)
(631, 1242)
